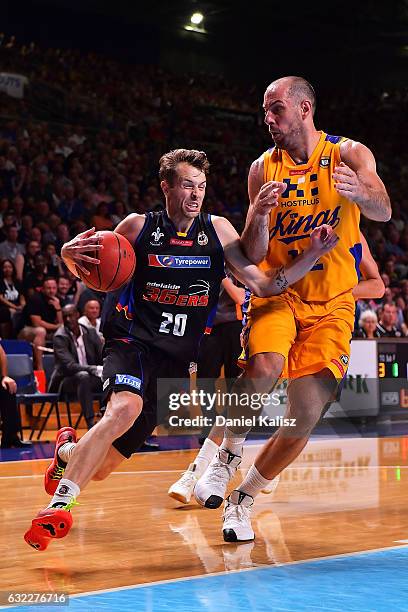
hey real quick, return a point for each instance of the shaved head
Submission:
(296, 89)
(289, 104)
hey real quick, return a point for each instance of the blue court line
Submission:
(364, 582)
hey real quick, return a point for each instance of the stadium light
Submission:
(196, 18)
(196, 24)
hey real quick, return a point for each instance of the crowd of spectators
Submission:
(81, 149)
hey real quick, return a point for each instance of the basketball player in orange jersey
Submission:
(306, 178)
(154, 324)
(371, 286)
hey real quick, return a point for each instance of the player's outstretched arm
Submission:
(357, 180)
(262, 198)
(83, 247)
(322, 240)
(371, 284)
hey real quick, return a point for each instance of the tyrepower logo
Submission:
(171, 261)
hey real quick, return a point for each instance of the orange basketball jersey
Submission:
(310, 200)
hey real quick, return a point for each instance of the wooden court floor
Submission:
(340, 496)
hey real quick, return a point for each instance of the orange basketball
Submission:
(118, 262)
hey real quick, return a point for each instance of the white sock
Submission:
(204, 457)
(253, 482)
(65, 451)
(67, 491)
(233, 442)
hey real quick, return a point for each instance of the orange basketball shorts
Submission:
(311, 336)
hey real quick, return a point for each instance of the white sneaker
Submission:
(182, 490)
(270, 488)
(236, 519)
(210, 489)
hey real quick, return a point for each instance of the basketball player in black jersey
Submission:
(153, 325)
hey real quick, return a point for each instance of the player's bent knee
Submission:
(118, 422)
(122, 411)
(267, 366)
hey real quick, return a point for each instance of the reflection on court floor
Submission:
(341, 497)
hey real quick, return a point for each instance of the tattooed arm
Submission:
(280, 279)
(273, 282)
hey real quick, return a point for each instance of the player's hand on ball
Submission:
(76, 249)
(323, 239)
(347, 183)
(268, 197)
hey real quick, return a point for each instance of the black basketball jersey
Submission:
(172, 298)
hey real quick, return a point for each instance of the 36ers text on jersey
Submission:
(173, 294)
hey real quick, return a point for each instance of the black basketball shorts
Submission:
(128, 366)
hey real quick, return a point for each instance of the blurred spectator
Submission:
(62, 148)
(9, 220)
(18, 181)
(101, 219)
(9, 413)
(74, 287)
(27, 225)
(12, 300)
(392, 244)
(390, 271)
(33, 247)
(91, 317)
(119, 212)
(41, 188)
(388, 321)
(53, 261)
(78, 362)
(86, 294)
(4, 204)
(11, 248)
(33, 282)
(101, 194)
(404, 325)
(368, 326)
(398, 218)
(404, 291)
(70, 207)
(41, 213)
(64, 296)
(36, 234)
(43, 317)
(17, 206)
(63, 236)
